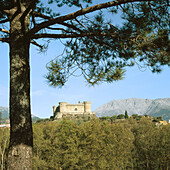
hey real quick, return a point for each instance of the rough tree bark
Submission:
(21, 137)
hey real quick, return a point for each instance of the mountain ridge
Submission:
(5, 115)
(153, 107)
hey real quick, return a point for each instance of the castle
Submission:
(65, 109)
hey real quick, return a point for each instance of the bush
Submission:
(121, 116)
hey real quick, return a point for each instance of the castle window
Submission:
(75, 109)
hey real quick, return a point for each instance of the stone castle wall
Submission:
(65, 108)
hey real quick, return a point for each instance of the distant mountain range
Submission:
(4, 112)
(155, 108)
(5, 115)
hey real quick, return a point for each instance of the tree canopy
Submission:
(99, 49)
(97, 144)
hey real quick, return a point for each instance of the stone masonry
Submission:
(65, 108)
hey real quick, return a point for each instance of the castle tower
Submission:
(54, 110)
(63, 107)
(87, 107)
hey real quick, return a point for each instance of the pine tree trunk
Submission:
(21, 136)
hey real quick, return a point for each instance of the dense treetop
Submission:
(97, 144)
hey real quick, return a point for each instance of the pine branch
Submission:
(37, 36)
(7, 39)
(80, 22)
(3, 30)
(71, 26)
(60, 29)
(52, 28)
(33, 20)
(4, 21)
(81, 12)
(4, 40)
(37, 14)
(36, 44)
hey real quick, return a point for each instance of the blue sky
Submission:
(136, 84)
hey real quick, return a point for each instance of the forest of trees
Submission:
(98, 144)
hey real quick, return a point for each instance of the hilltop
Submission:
(154, 108)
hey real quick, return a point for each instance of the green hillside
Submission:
(164, 113)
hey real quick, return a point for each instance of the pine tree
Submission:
(99, 49)
(126, 114)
